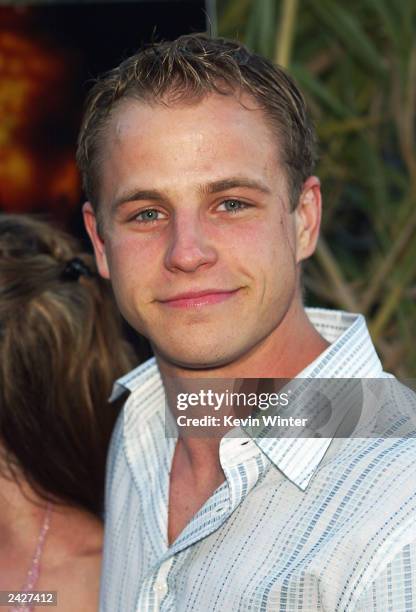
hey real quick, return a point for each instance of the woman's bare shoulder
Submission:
(74, 565)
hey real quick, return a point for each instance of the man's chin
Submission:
(197, 359)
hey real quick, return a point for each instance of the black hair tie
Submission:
(75, 268)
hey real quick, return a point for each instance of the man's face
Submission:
(198, 238)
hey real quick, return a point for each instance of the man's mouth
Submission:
(197, 299)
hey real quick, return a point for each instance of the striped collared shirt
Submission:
(299, 523)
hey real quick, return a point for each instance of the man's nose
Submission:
(189, 248)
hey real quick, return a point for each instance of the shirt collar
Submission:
(351, 354)
(145, 373)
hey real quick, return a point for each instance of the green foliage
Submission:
(356, 63)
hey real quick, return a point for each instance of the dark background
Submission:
(49, 56)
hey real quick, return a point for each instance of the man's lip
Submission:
(198, 298)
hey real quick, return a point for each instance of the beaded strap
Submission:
(34, 570)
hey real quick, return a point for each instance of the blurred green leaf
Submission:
(261, 27)
(350, 33)
(322, 93)
(233, 16)
(389, 21)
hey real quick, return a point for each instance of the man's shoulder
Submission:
(384, 426)
(374, 478)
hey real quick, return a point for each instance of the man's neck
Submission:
(284, 354)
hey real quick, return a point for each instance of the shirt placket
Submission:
(154, 588)
(154, 592)
(239, 460)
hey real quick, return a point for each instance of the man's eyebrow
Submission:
(136, 195)
(215, 187)
(233, 182)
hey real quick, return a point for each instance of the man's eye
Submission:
(149, 215)
(232, 205)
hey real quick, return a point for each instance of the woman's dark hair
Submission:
(61, 347)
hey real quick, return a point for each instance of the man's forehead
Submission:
(184, 146)
(214, 128)
(213, 106)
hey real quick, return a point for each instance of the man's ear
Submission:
(91, 225)
(308, 218)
